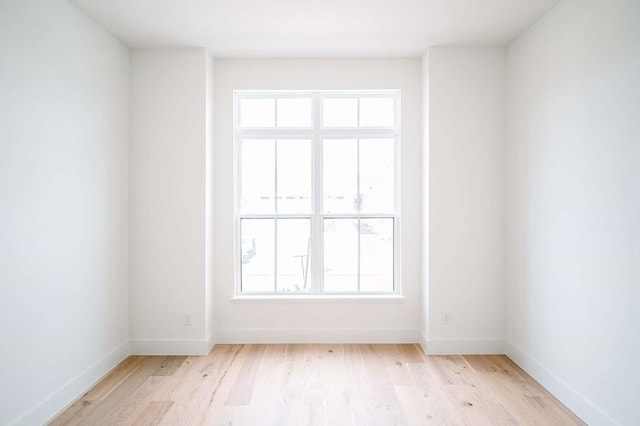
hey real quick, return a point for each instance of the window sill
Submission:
(304, 298)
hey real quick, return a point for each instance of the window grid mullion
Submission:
(317, 235)
(237, 209)
(338, 132)
(358, 194)
(275, 221)
(358, 254)
(275, 255)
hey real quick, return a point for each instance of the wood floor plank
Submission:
(130, 408)
(169, 365)
(453, 370)
(100, 410)
(193, 371)
(152, 413)
(528, 401)
(268, 395)
(338, 398)
(439, 406)
(200, 385)
(479, 408)
(383, 405)
(243, 385)
(325, 384)
(358, 386)
(105, 386)
(411, 354)
(396, 363)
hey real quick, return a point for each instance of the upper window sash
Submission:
(263, 111)
(336, 111)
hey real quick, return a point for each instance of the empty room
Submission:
(297, 212)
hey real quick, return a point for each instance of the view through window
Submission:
(317, 192)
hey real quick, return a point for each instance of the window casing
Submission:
(317, 192)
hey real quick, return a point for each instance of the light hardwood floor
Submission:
(317, 385)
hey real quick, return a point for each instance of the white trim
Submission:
(580, 405)
(316, 133)
(171, 347)
(69, 392)
(316, 335)
(469, 346)
(422, 341)
(211, 342)
(323, 298)
(329, 133)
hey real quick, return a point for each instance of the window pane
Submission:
(340, 112)
(257, 112)
(340, 255)
(293, 255)
(294, 176)
(377, 180)
(340, 180)
(258, 176)
(295, 112)
(376, 255)
(258, 255)
(304, 185)
(377, 112)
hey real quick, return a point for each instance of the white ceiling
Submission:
(314, 27)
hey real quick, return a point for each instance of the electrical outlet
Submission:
(446, 318)
(187, 320)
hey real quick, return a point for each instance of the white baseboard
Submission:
(422, 341)
(210, 343)
(270, 335)
(461, 346)
(171, 347)
(69, 392)
(577, 403)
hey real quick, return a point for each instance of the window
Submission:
(317, 192)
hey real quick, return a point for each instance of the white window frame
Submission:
(316, 133)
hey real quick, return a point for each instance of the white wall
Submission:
(64, 122)
(466, 167)
(574, 206)
(168, 202)
(424, 302)
(209, 205)
(314, 321)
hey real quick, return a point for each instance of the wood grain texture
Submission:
(317, 385)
